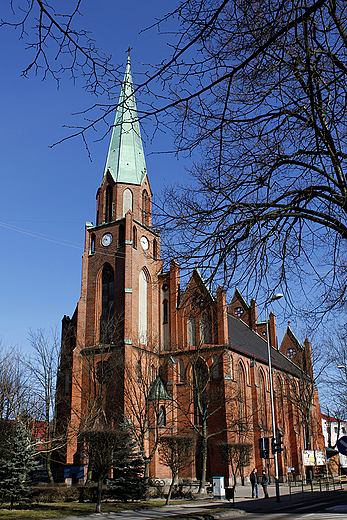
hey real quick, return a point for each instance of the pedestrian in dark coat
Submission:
(264, 483)
(254, 478)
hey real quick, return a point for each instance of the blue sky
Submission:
(50, 192)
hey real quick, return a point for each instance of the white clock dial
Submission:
(144, 243)
(106, 239)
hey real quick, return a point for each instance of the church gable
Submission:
(292, 348)
(239, 308)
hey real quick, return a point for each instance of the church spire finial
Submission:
(126, 159)
(128, 51)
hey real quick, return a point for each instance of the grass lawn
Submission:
(43, 511)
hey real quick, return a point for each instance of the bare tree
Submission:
(257, 88)
(176, 453)
(301, 390)
(44, 365)
(335, 381)
(237, 456)
(203, 397)
(17, 399)
(147, 403)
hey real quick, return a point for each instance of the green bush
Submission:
(54, 494)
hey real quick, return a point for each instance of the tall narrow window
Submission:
(262, 401)
(106, 321)
(155, 249)
(191, 329)
(162, 417)
(153, 373)
(92, 244)
(215, 367)
(205, 329)
(139, 370)
(242, 394)
(165, 311)
(134, 237)
(142, 308)
(181, 370)
(127, 201)
(121, 235)
(145, 208)
(231, 366)
(108, 208)
(200, 378)
(279, 403)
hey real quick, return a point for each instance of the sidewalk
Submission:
(243, 504)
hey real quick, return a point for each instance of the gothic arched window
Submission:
(145, 208)
(181, 371)
(205, 329)
(262, 401)
(165, 311)
(107, 306)
(139, 371)
(191, 329)
(279, 403)
(92, 243)
(121, 235)
(155, 249)
(108, 208)
(215, 367)
(162, 417)
(242, 393)
(200, 378)
(134, 237)
(127, 201)
(142, 308)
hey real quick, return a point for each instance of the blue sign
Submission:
(342, 445)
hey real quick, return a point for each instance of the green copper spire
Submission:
(125, 159)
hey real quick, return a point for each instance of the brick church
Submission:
(169, 360)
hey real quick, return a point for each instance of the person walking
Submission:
(264, 483)
(254, 478)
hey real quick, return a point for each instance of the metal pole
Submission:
(272, 407)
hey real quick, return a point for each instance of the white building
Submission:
(334, 429)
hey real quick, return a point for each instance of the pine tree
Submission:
(128, 481)
(17, 461)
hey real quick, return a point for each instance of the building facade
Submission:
(333, 430)
(171, 361)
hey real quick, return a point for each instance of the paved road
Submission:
(330, 505)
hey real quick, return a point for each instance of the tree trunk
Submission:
(98, 500)
(146, 474)
(202, 485)
(170, 489)
(49, 469)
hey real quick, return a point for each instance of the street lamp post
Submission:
(273, 298)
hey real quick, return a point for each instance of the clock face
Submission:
(144, 243)
(106, 239)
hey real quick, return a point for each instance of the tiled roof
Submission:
(244, 340)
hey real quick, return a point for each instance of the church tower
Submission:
(116, 316)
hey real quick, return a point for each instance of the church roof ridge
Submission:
(204, 282)
(126, 159)
(237, 290)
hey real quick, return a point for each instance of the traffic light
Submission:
(277, 443)
(264, 448)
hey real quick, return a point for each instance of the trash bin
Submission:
(229, 493)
